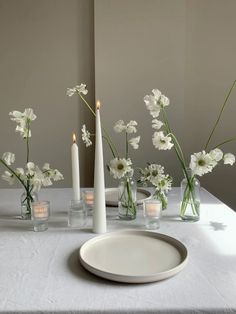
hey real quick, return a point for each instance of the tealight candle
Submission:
(40, 215)
(88, 197)
(152, 210)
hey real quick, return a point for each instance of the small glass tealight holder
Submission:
(152, 211)
(40, 215)
(88, 197)
(77, 214)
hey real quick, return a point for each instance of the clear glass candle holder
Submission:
(88, 198)
(40, 215)
(77, 214)
(152, 210)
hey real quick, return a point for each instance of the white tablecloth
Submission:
(40, 272)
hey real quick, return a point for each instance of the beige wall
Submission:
(45, 47)
(187, 50)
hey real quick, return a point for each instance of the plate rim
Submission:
(139, 202)
(134, 278)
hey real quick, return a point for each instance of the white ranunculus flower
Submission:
(156, 124)
(46, 166)
(152, 105)
(70, 91)
(20, 172)
(119, 167)
(201, 163)
(9, 177)
(30, 166)
(216, 154)
(134, 142)
(119, 126)
(46, 181)
(229, 159)
(86, 136)
(131, 127)
(9, 158)
(161, 141)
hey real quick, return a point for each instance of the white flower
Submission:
(201, 163)
(46, 166)
(131, 127)
(9, 177)
(216, 154)
(152, 105)
(164, 101)
(86, 136)
(119, 126)
(134, 142)
(165, 184)
(23, 119)
(9, 158)
(81, 89)
(78, 88)
(128, 128)
(119, 167)
(161, 141)
(156, 124)
(157, 94)
(20, 172)
(70, 91)
(229, 159)
(30, 166)
(46, 181)
(57, 176)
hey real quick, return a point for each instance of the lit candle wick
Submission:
(74, 138)
(98, 104)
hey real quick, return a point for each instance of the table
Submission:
(40, 272)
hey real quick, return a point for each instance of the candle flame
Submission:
(98, 104)
(74, 138)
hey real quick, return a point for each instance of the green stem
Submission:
(226, 141)
(126, 145)
(220, 114)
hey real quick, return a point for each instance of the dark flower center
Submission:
(120, 166)
(201, 162)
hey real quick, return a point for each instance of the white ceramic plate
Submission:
(112, 196)
(133, 256)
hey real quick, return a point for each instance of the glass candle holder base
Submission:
(77, 215)
(152, 223)
(40, 226)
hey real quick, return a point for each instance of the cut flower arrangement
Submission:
(31, 177)
(121, 166)
(200, 163)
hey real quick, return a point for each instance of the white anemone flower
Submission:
(119, 167)
(156, 124)
(86, 136)
(119, 126)
(229, 159)
(9, 158)
(161, 141)
(201, 163)
(9, 177)
(134, 142)
(131, 127)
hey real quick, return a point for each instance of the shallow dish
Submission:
(151, 256)
(112, 196)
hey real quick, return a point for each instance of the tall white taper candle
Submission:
(75, 170)
(99, 211)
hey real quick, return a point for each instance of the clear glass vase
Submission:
(26, 204)
(127, 196)
(190, 197)
(162, 197)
